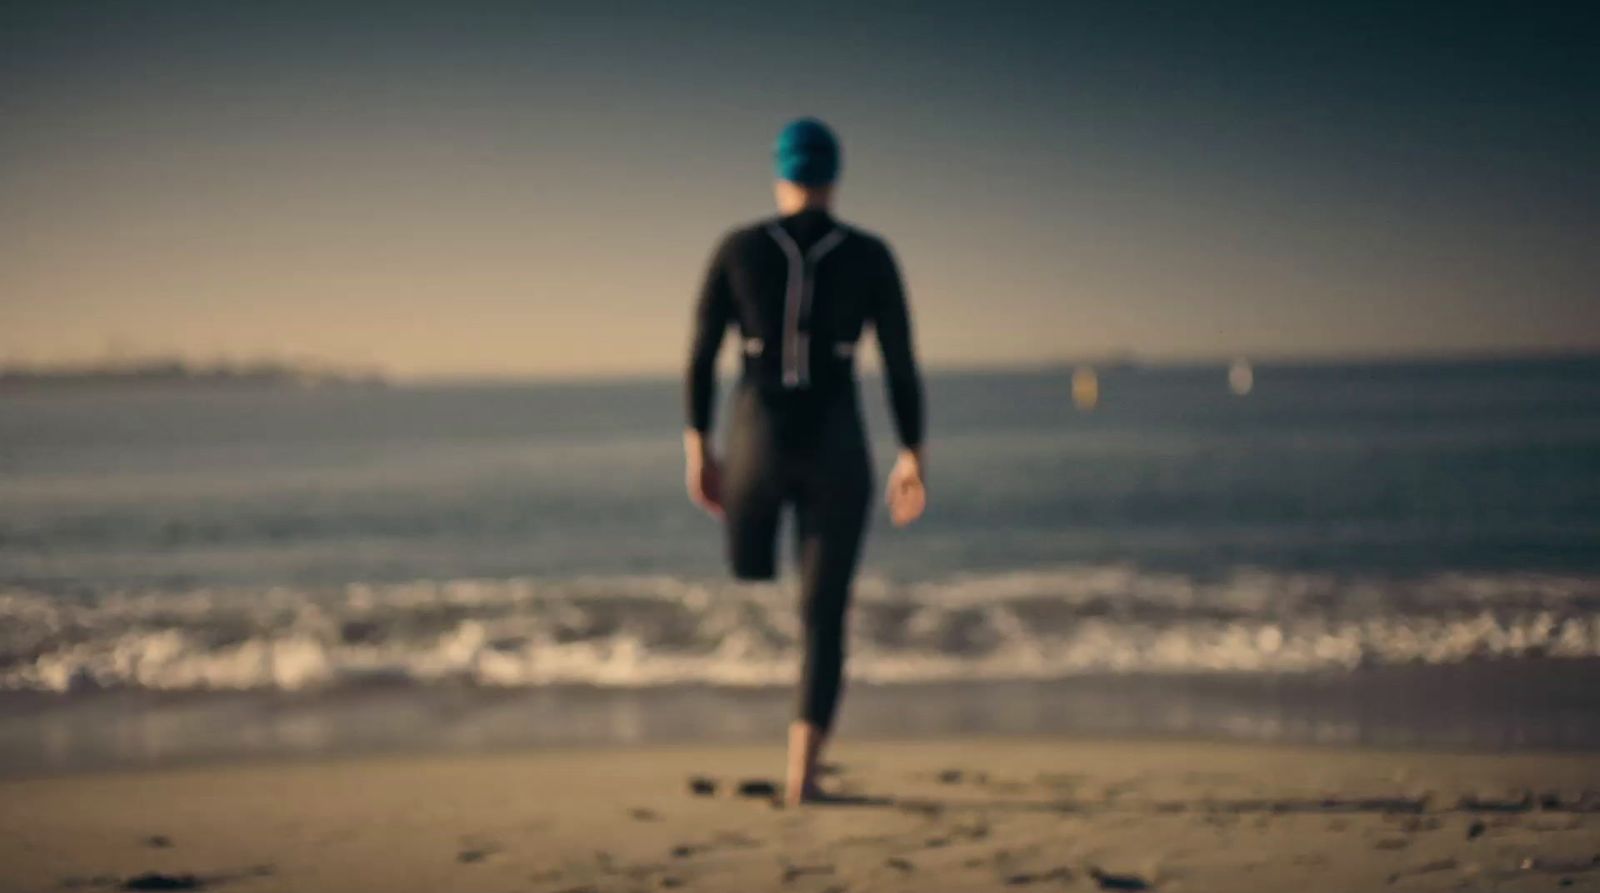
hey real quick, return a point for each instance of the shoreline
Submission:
(1495, 707)
(773, 746)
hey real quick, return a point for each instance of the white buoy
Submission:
(1241, 378)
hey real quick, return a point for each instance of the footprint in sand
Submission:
(152, 880)
(155, 880)
(1425, 868)
(928, 808)
(1116, 881)
(792, 873)
(475, 850)
(757, 787)
(1021, 879)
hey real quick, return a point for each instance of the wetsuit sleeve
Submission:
(712, 312)
(892, 322)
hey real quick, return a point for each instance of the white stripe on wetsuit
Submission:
(791, 303)
(796, 347)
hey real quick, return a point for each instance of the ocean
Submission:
(1396, 552)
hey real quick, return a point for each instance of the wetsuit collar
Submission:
(813, 213)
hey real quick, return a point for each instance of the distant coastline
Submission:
(174, 372)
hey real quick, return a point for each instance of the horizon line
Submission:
(1110, 360)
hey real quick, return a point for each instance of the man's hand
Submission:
(907, 495)
(702, 474)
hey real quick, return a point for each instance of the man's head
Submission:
(806, 160)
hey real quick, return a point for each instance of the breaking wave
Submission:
(650, 631)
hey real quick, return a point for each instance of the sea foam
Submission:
(640, 631)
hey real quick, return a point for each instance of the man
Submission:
(801, 287)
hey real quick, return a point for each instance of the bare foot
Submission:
(805, 744)
(813, 794)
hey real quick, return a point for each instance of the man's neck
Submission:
(789, 209)
(795, 199)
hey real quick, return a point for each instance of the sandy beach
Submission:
(949, 815)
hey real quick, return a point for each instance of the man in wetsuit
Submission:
(801, 287)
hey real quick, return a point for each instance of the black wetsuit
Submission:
(801, 289)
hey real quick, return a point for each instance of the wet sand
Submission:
(949, 815)
(1502, 706)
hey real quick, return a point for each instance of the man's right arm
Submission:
(713, 310)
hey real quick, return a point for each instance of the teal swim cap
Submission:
(806, 153)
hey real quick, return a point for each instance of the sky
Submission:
(533, 189)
